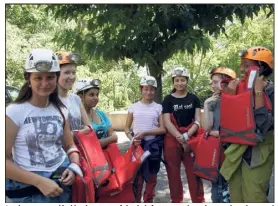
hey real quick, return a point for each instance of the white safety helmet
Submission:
(180, 71)
(41, 60)
(148, 80)
(83, 84)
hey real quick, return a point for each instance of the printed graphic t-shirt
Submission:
(182, 108)
(101, 129)
(145, 117)
(73, 102)
(38, 143)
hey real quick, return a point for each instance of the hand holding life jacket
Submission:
(185, 129)
(90, 149)
(237, 121)
(83, 189)
(193, 140)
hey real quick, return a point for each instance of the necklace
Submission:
(46, 105)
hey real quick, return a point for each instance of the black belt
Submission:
(23, 192)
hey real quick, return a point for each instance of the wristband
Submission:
(71, 150)
(197, 123)
(72, 153)
(185, 136)
(74, 167)
(78, 163)
(258, 93)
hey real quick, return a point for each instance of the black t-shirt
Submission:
(182, 108)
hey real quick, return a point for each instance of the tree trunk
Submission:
(156, 72)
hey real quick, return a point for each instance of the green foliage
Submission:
(147, 34)
(119, 87)
(28, 26)
(256, 31)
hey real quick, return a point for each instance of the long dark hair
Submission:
(266, 70)
(25, 94)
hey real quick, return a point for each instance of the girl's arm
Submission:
(84, 119)
(128, 124)
(112, 137)
(195, 126)
(214, 133)
(169, 125)
(68, 143)
(208, 118)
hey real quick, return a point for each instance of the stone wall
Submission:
(118, 119)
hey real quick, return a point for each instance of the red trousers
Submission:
(149, 189)
(174, 156)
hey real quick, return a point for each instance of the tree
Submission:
(27, 27)
(148, 34)
(223, 52)
(119, 83)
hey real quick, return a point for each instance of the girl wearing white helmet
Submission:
(183, 108)
(37, 131)
(147, 126)
(88, 91)
(77, 115)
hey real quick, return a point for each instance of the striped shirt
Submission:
(145, 117)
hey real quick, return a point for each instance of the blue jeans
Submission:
(64, 197)
(220, 191)
(214, 193)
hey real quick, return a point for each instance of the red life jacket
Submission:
(237, 122)
(125, 196)
(194, 139)
(91, 150)
(208, 152)
(83, 190)
(124, 169)
(243, 86)
(209, 155)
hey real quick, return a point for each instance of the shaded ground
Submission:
(162, 187)
(163, 192)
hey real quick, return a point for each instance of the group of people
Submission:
(40, 149)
